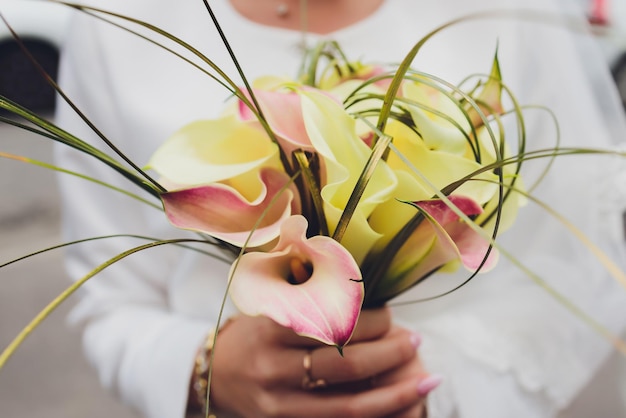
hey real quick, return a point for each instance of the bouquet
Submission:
(337, 200)
(337, 190)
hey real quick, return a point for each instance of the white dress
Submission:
(504, 346)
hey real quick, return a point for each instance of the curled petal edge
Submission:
(210, 208)
(326, 307)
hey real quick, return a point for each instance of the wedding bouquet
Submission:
(338, 190)
(339, 199)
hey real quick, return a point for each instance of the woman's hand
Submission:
(259, 371)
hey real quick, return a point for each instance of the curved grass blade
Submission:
(312, 189)
(255, 103)
(52, 83)
(51, 131)
(610, 266)
(359, 188)
(533, 16)
(80, 241)
(41, 316)
(73, 173)
(234, 88)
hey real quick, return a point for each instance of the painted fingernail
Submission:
(426, 385)
(416, 339)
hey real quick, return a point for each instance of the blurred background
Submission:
(48, 377)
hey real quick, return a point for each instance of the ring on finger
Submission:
(308, 381)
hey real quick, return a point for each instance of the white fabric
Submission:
(504, 346)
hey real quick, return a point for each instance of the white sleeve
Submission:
(142, 345)
(143, 349)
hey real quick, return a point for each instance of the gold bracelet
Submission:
(202, 365)
(201, 371)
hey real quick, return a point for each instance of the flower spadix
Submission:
(310, 285)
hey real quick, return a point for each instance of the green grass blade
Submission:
(141, 237)
(312, 189)
(79, 175)
(43, 314)
(359, 188)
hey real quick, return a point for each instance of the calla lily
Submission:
(441, 240)
(513, 199)
(368, 97)
(440, 168)
(220, 167)
(332, 133)
(210, 151)
(449, 133)
(489, 99)
(312, 286)
(222, 212)
(282, 109)
(335, 76)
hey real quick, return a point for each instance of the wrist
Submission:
(199, 383)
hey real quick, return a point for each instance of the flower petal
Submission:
(222, 212)
(209, 151)
(471, 246)
(439, 167)
(332, 132)
(449, 133)
(325, 307)
(442, 239)
(490, 98)
(283, 111)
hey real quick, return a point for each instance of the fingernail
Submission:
(416, 339)
(426, 385)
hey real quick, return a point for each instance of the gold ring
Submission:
(308, 382)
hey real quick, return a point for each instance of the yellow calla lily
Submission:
(447, 133)
(439, 167)
(225, 166)
(211, 151)
(332, 133)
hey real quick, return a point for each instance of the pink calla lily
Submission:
(222, 212)
(282, 109)
(471, 246)
(324, 306)
(441, 240)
